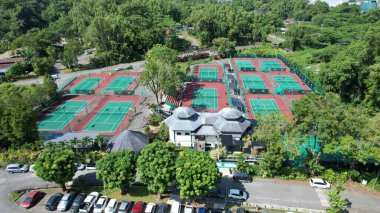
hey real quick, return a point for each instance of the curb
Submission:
(285, 208)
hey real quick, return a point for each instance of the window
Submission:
(179, 133)
(187, 133)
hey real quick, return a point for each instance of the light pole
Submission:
(9, 186)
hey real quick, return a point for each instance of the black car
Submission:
(218, 192)
(77, 201)
(162, 208)
(52, 203)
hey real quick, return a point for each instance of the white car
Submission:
(101, 204)
(111, 206)
(237, 194)
(188, 209)
(150, 208)
(31, 168)
(319, 183)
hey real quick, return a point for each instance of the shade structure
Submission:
(128, 140)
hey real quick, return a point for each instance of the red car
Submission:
(138, 207)
(31, 199)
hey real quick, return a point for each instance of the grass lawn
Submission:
(15, 195)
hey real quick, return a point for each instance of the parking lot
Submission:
(263, 191)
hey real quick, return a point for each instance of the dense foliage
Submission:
(156, 166)
(56, 165)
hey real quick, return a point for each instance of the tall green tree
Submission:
(224, 46)
(50, 86)
(71, 52)
(117, 169)
(196, 173)
(56, 165)
(337, 203)
(156, 166)
(160, 74)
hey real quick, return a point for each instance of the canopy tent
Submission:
(128, 140)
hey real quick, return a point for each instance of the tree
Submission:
(196, 173)
(117, 169)
(160, 74)
(224, 46)
(337, 203)
(70, 54)
(50, 86)
(42, 66)
(156, 166)
(56, 165)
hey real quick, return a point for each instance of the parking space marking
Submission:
(323, 197)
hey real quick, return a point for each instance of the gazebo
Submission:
(128, 140)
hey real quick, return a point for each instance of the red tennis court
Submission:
(295, 77)
(279, 61)
(244, 75)
(206, 72)
(280, 104)
(198, 95)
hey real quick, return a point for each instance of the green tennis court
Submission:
(109, 118)
(120, 83)
(205, 98)
(208, 73)
(253, 82)
(264, 106)
(85, 85)
(245, 65)
(271, 65)
(60, 117)
(287, 82)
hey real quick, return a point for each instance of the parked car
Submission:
(243, 177)
(88, 202)
(202, 210)
(188, 209)
(66, 201)
(13, 168)
(124, 206)
(162, 208)
(77, 201)
(111, 206)
(319, 183)
(138, 207)
(101, 204)
(129, 67)
(80, 167)
(91, 166)
(52, 203)
(150, 207)
(240, 210)
(218, 192)
(237, 194)
(32, 198)
(176, 207)
(31, 168)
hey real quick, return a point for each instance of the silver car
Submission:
(13, 168)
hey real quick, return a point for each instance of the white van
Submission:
(176, 207)
(55, 77)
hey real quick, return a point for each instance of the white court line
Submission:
(323, 197)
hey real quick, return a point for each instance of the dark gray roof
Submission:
(226, 120)
(206, 130)
(69, 136)
(230, 113)
(129, 140)
(184, 112)
(190, 124)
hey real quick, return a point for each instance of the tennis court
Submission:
(85, 85)
(264, 106)
(271, 65)
(245, 65)
(205, 98)
(110, 117)
(207, 73)
(120, 83)
(253, 82)
(287, 82)
(60, 117)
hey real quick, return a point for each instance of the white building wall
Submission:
(183, 138)
(171, 136)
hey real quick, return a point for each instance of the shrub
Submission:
(155, 120)
(334, 177)
(293, 173)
